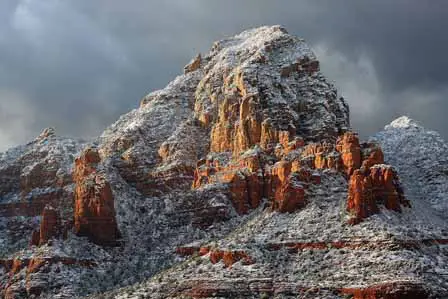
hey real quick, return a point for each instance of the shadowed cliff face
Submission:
(241, 178)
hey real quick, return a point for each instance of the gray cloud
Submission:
(78, 65)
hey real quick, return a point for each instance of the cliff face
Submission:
(94, 214)
(241, 178)
(256, 175)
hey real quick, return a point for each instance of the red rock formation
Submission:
(164, 180)
(387, 188)
(322, 156)
(372, 154)
(216, 256)
(40, 169)
(40, 175)
(285, 190)
(186, 251)
(367, 189)
(238, 126)
(231, 257)
(284, 182)
(228, 257)
(35, 238)
(348, 146)
(289, 197)
(293, 247)
(360, 197)
(249, 181)
(393, 290)
(204, 251)
(272, 288)
(32, 266)
(243, 177)
(94, 202)
(50, 227)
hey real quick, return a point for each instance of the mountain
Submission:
(421, 156)
(242, 178)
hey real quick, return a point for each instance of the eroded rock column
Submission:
(94, 202)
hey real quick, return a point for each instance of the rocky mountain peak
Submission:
(277, 77)
(403, 122)
(47, 132)
(241, 178)
(421, 155)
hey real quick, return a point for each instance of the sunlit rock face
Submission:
(94, 214)
(262, 96)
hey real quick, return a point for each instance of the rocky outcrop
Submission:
(289, 197)
(369, 188)
(251, 178)
(37, 174)
(193, 65)
(239, 124)
(392, 290)
(372, 154)
(94, 213)
(254, 97)
(44, 168)
(244, 178)
(285, 190)
(227, 257)
(321, 156)
(348, 146)
(50, 227)
(27, 268)
(371, 182)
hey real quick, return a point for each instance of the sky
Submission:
(77, 65)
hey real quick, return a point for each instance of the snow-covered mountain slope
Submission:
(312, 253)
(421, 157)
(240, 179)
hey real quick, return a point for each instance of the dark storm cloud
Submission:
(78, 65)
